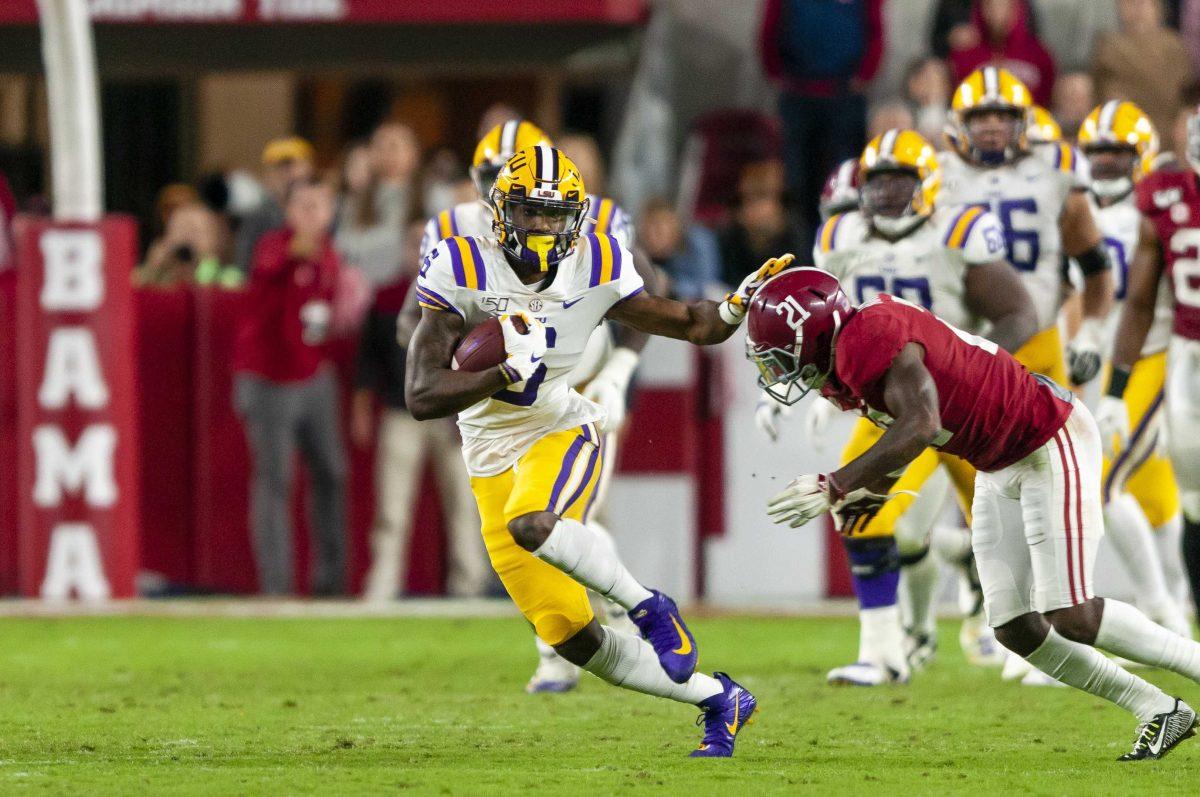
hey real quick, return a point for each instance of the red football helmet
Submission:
(794, 320)
(841, 190)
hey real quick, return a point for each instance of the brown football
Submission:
(483, 346)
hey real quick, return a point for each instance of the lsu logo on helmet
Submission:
(538, 206)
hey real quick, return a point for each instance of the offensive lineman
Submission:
(1038, 193)
(949, 259)
(928, 383)
(1168, 251)
(1120, 144)
(531, 443)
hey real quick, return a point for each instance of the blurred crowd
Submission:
(326, 250)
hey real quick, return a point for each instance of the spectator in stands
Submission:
(286, 161)
(822, 55)
(286, 394)
(687, 254)
(927, 90)
(1144, 62)
(442, 175)
(404, 446)
(891, 115)
(584, 152)
(188, 252)
(760, 226)
(496, 114)
(1006, 38)
(396, 154)
(1074, 99)
(366, 237)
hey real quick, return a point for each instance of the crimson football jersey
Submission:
(1171, 201)
(994, 412)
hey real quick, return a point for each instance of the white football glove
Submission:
(816, 422)
(807, 497)
(1083, 352)
(767, 413)
(1113, 419)
(733, 308)
(610, 385)
(525, 350)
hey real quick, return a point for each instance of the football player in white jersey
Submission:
(949, 259)
(609, 361)
(1039, 195)
(1140, 492)
(531, 443)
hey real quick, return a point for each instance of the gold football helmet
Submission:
(895, 207)
(990, 89)
(538, 206)
(1043, 128)
(501, 143)
(1113, 127)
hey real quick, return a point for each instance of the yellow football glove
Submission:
(733, 308)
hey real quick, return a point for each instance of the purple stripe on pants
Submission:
(564, 472)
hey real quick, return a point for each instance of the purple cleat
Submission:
(658, 619)
(724, 717)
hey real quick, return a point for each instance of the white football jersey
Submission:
(926, 267)
(471, 277)
(1027, 196)
(1120, 223)
(474, 220)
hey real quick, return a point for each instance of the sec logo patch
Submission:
(535, 305)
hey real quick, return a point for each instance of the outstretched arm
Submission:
(700, 322)
(994, 291)
(627, 337)
(697, 322)
(431, 388)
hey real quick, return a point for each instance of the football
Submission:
(483, 346)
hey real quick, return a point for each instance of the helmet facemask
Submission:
(1112, 169)
(782, 376)
(484, 177)
(891, 198)
(987, 141)
(538, 231)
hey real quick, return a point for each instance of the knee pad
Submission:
(1190, 501)
(871, 557)
(555, 628)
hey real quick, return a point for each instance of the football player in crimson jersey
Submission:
(1168, 250)
(928, 383)
(1141, 499)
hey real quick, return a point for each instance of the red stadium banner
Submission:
(395, 12)
(77, 477)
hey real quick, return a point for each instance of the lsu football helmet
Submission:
(990, 88)
(1043, 128)
(501, 143)
(794, 319)
(1118, 126)
(538, 206)
(840, 192)
(895, 206)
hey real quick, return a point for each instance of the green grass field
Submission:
(115, 705)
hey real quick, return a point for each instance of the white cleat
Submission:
(1016, 668)
(554, 674)
(979, 643)
(863, 673)
(920, 649)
